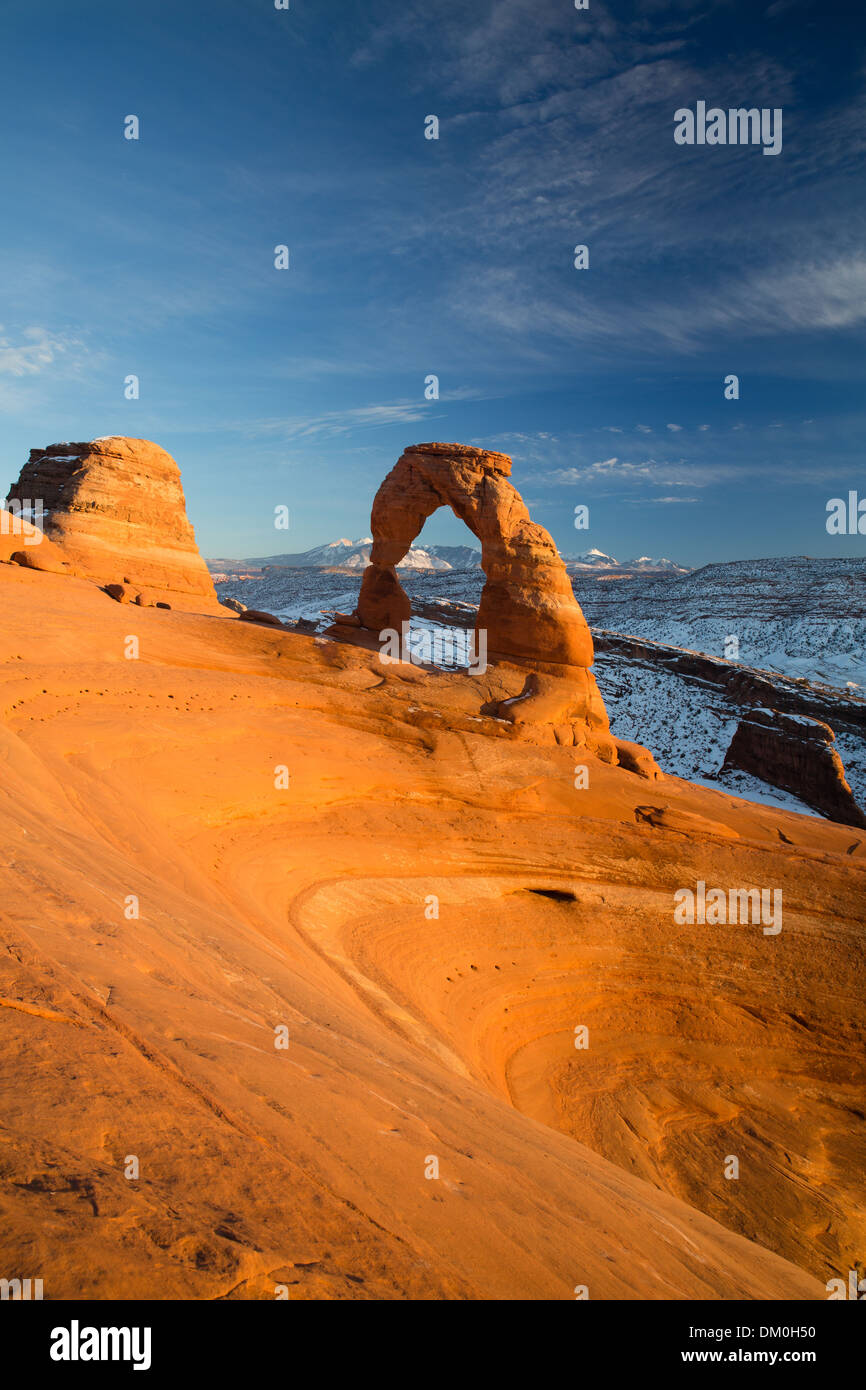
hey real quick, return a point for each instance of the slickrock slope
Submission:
(528, 614)
(115, 508)
(244, 830)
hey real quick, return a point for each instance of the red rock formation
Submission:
(256, 615)
(116, 510)
(797, 754)
(528, 609)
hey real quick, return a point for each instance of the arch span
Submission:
(527, 610)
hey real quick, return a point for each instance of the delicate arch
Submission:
(528, 608)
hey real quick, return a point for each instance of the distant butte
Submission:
(115, 510)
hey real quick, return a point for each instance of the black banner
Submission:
(62, 1339)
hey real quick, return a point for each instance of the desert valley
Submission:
(332, 978)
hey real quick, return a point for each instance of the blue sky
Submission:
(453, 257)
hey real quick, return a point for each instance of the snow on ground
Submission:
(311, 610)
(801, 618)
(753, 789)
(688, 731)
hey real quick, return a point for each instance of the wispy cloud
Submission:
(568, 138)
(798, 299)
(36, 350)
(339, 422)
(623, 471)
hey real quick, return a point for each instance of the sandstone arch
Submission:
(528, 609)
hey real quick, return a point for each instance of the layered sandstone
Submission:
(528, 612)
(115, 508)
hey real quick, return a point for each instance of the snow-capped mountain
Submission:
(591, 559)
(354, 555)
(459, 557)
(796, 620)
(645, 565)
(345, 554)
(595, 559)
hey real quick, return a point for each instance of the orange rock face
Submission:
(528, 610)
(262, 907)
(115, 509)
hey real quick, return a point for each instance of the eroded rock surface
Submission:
(411, 1034)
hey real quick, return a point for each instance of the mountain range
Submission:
(346, 554)
(598, 560)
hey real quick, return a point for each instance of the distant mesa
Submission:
(115, 512)
(528, 610)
